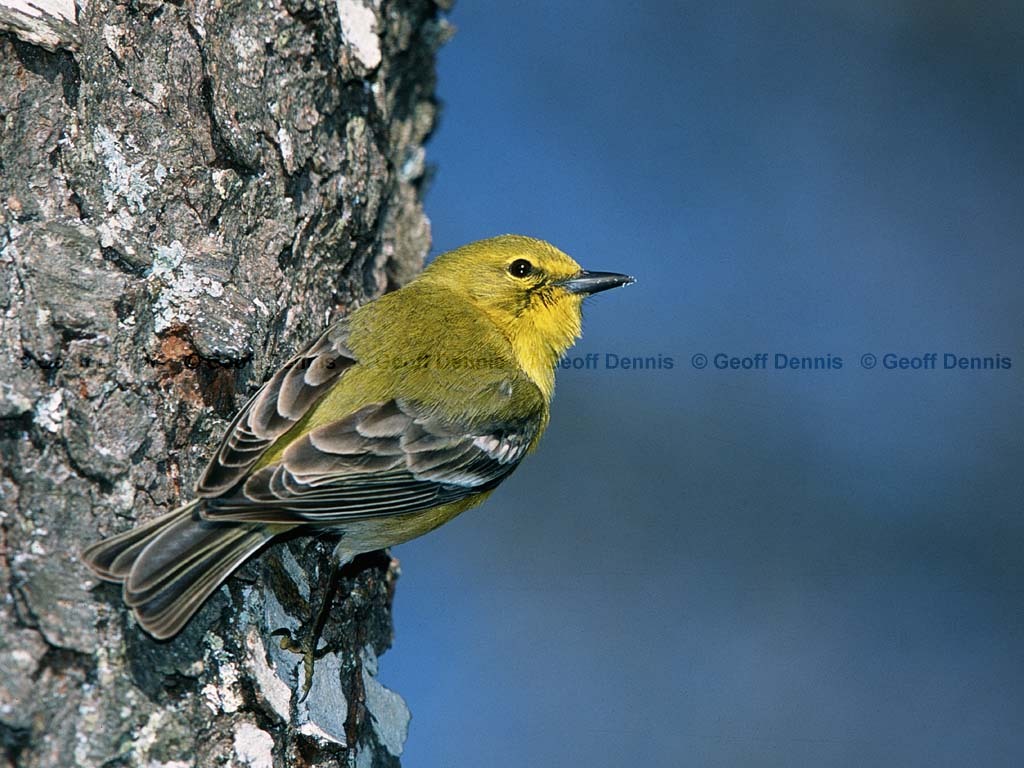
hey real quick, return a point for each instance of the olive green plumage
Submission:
(400, 416)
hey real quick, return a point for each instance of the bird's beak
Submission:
(593, 282)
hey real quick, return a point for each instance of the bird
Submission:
(403, 414)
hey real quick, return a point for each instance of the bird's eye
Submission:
(520, 268)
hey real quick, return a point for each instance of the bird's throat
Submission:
(540, 344)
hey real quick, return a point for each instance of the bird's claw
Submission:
(305, 646)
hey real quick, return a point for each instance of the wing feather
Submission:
(385, 459)
(276, 407)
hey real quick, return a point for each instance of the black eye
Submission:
(520, 268)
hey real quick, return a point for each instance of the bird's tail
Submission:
(170, 565)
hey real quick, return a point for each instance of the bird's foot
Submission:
(306, 646)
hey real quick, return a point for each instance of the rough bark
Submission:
(187, 194)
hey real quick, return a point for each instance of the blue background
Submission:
(706, 567)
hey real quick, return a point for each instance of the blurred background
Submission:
(741, 567)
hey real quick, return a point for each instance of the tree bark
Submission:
(188, 193)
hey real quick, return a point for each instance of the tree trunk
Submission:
(187, 194)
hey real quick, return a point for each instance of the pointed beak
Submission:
(594, 282)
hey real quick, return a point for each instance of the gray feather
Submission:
(386, 459)
(276, 407)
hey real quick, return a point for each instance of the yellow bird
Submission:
(403, 414)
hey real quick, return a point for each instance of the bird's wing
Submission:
(385, 459)
(276, 407)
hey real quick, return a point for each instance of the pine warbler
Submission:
(403, 414)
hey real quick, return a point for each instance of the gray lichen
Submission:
(125, 181)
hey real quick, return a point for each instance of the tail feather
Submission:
(168, 605)
(172, 564)
(181, 548)
(111, 559)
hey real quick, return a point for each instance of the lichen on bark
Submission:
(188, 193)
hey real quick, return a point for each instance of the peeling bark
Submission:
(187, 195)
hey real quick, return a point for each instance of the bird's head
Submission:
(531, 290)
